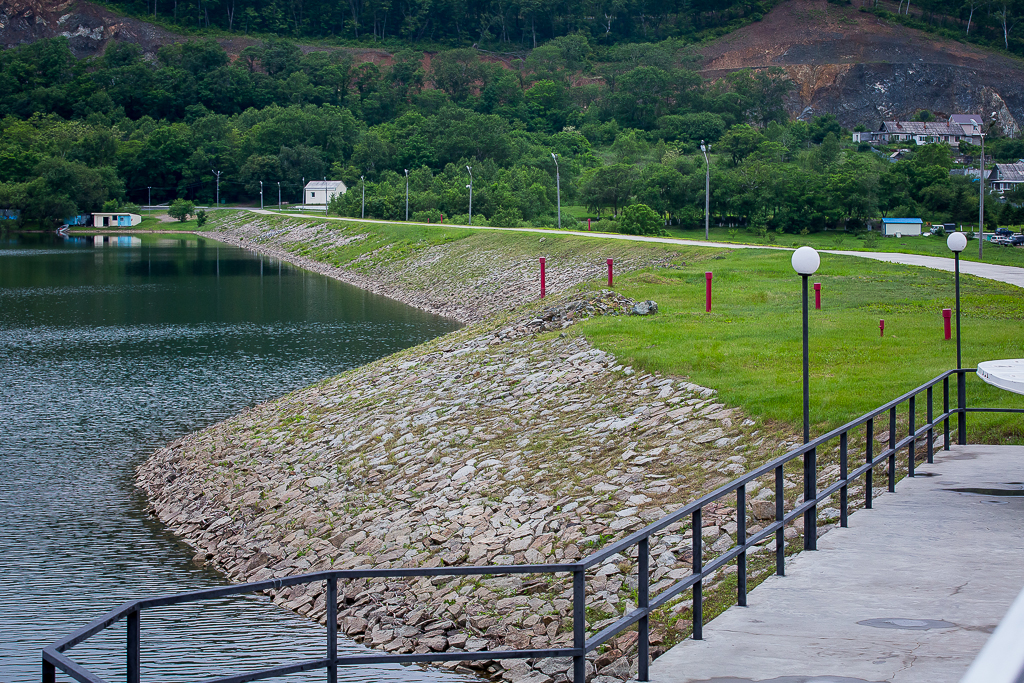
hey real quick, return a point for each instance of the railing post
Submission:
(579, 625)
(780, 533)
(643, 598)
(912, 448)
(49, 672)
(931, 426)
(844, 470)
(741, 538)
(332, 629)
(869, 476)
(697, 527)
(810, 493)
(892, 449)
(134, 648)
(945, 409)
(961, 404)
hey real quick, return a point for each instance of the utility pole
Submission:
(470, 186)
(278, 195)
(217, 173)
(325, 195)
(261, 195)
(303, 193)
(406, 194)
(707, 189)
(362, 210)
(558, 190)
(150, 197)
(981, 184)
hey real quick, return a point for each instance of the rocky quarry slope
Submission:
(864, 69)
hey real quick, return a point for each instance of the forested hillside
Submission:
(625, 120)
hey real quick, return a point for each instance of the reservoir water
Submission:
(109, 350)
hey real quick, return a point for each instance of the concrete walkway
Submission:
(908, 593)
(1008, 274)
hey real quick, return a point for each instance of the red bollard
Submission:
(946, 315)
(609, 272)
(881, 328)
(707, 293)
(588, 225)
(442, 218)
(817, 295)
(542, 287)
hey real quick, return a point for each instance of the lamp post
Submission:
(325, 195)
(558, 190)
(217, 173)
(805, 263)
(278, 195)
(957, 242)
(406, 194)
(261, 195)
(470, 186)
(981, 192)
(707, 187)
(362, 210)
(150, 188)
(303, 193)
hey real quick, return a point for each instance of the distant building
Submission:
(959, 128)
(9, 214)
(901, 226)
(1007, 177)
(319, 192)
(115, 219)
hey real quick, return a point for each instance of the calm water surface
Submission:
(107, 352)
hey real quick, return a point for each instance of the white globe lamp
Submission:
(806, 261)
(956, 242)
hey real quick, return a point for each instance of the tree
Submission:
(608, 186)
(181, 209)
(740, 142)
(640, 219)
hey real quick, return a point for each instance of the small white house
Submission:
(901, 226)
(320, 192)
(115, 220)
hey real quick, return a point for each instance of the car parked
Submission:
(1003, 232)
(1017, 241)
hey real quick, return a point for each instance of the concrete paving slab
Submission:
(908, 593)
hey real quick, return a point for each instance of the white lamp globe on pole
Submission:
(806, 261)
(956, 242)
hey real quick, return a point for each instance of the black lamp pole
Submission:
(961, 383)
(807, 391)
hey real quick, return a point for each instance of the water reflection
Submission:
(108, 351)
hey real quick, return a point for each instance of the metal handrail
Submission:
(54, 657)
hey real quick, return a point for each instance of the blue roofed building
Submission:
(902, 226)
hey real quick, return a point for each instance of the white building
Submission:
(320, 192)
(115, 219)
(901, 226)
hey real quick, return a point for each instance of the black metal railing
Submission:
(54, 656)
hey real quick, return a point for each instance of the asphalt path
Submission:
(1011, 275)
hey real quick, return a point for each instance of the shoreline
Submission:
(510, 440)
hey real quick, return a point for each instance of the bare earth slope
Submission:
(863, 69)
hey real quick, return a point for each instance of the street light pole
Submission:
(406, 194)
(957, 242)
(150, 207)
(217, 173)
(805, 263)
(707, 188)
(278, 195)
(303, 193)
(261, 195)
(325, 195)
(981, 207)
(558, 190)
(470, 186)
(362, 211)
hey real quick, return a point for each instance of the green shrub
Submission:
(427, 216)
(640, 219)
(200, 218)
(181, 209)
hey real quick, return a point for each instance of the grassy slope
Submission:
(749, 347)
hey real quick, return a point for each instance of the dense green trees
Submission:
(626, 122)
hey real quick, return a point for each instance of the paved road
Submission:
(1008, 274)
(909, 593)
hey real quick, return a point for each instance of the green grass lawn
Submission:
(749, 346)
(929, 246)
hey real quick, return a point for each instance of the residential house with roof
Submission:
(320, 192)
(959, 127)
(1006, 177)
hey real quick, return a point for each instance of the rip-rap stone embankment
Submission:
(510, 441)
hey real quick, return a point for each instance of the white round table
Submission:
(1005, 374)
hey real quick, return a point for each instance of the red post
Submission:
(817, 295)
(609, 272)
(542, 287)
(588, 225)
(881, 328)
(442, 218)
(707, 293)
(946, 314)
